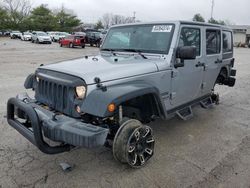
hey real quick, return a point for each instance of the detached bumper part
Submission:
(41, 122)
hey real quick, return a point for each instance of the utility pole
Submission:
(212, 9)
(134, 13)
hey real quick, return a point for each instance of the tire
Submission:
(37, 41)
(71, 45)
(221, 77)
(91, 45)
(133, 143)
(61, 45)
(83, 46)
(32, 40)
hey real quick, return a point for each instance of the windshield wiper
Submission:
(136, 51)
(109, 50)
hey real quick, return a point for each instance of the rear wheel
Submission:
(133, 143)
(71, 45)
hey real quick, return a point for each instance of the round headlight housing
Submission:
(80, 91)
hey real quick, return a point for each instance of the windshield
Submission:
(141, 38)
(42, 34)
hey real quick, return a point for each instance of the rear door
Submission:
(213, 58)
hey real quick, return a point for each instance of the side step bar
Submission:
(207, 103)
(35, 136)
(185, 113)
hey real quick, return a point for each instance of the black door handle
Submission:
(218, 61)
(199, 64)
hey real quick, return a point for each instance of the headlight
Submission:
(80, 91)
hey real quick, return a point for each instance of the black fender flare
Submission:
(96, 103)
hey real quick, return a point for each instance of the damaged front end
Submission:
(48, 116)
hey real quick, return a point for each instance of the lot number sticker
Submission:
(162, 28)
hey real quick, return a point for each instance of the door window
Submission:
(191, 37)
(227, 41)
(213, 42)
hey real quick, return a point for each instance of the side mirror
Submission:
(186, 52)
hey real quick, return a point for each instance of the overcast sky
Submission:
(236, 11)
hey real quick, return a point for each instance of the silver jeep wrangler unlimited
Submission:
(144, 71)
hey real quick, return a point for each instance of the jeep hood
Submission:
(106, 68)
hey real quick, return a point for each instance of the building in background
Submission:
(241, 34)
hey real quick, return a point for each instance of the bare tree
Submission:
(17, 9)
(109, 19)
(106, 20)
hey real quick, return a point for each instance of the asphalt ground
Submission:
(210, 150)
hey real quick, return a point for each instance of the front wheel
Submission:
(133, 143)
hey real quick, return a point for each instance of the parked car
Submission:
(161, 70)
(59, 35)
(26, 36)
(79, 33)
(103, 34)
(93, 38)
(72, 41)
(40, 37)
(15, 35)
(52, 34)
(7, 33)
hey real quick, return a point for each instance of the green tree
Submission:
(66, 21)
(198, 18)
(99, 25)
(4, 19)
(41, 18)
(213, 21)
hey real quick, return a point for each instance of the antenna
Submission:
(212, 9)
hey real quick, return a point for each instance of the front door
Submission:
(213, 59)
(187, 80)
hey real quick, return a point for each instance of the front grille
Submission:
(56, 90)
(54, 95)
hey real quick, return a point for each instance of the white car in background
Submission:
(52, 34)
(15, 34)
(26, 36)
(59, 35)
(40, 37)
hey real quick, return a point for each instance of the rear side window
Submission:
(191, 37)
(227, 41)
(213, 42)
